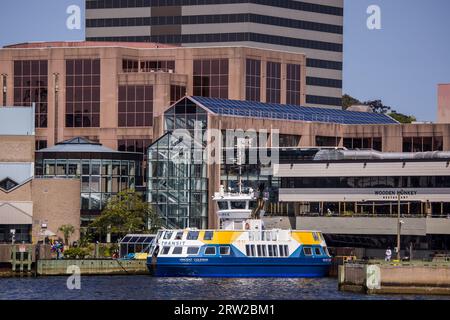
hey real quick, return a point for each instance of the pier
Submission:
(379, 277)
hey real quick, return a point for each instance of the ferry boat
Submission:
(242, 247)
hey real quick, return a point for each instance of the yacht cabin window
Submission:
(238, 204)
(193, 250)
(165, 250)
(317, 251)
(223, 205)
(224, 251)
(177, 250)
(208, 235)
(168, 235)
(210, 251)
(192, 235)
(179, 235)
(307, 251)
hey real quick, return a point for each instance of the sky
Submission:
(401, 64)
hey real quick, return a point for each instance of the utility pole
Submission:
(398, 227)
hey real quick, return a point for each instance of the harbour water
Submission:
(151, 288)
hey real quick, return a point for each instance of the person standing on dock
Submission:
(388, 254)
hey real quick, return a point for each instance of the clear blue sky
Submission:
(401, 64)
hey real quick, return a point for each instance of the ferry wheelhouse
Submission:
(242, 247)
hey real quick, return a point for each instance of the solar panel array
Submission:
(290, 112)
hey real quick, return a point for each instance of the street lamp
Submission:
(399, 227)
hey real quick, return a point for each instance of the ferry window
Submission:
(275, 250)
(282, 254)
(224, 250)
(192, 235)
(307, 251)
(192, 250)
(252, 247)
(179, 235)
(208, 235)
(237, 204)
(210, 250)
(315, 236)
(247, 250)
(286, 250)
(168, 235)
(270, 250)
(177, 250)
(317, 251)
(258, 247)
(223, 205)
(165, 250)
(264, 251)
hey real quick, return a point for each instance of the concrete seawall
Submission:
(92, 267)
(383, 278)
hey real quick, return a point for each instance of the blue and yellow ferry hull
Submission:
(240, 267)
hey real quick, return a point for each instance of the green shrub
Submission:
(75, 253)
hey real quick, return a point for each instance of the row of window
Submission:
(288, 4)
(321, 100)
(323, 64)
(228, 37)
(208, 251)
(148, 66)
(271, 250)
(214, 18)
(324, 82)
(366, 182)
(191, 235)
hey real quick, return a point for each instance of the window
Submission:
(289, 140)
(317, 251)
(135, 107)
(224, 251)
(273, 82)
(307, 251)
(270, 251)
(176, 93)
(238, 204)
(293, 83)
(168, 235)
(253, 80)
(363, 143)
(155, 66)
(192, 235)
(315, 236)
(31, 85)
(422, 144)
(322, 141)
(8, 184)
(177, 250)
(130, 65)
(193, 250)
(208, 235)
(259, 249)
(264, 251)
(40, 144)
(179, 235)
(83, 93)
(165, 250)
(211, 78)
(210, 251)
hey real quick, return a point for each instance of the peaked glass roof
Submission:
(290, 112)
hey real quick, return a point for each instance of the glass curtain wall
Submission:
(177, 182)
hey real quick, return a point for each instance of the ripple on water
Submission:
(151, 288)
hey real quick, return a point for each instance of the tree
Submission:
(402, 118)
(67, 230)
(348, 101)
(377, 106)
(125, 213)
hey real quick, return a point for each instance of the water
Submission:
(150, 288)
